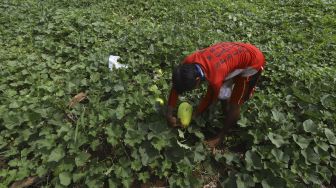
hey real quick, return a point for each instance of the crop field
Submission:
(67, 120)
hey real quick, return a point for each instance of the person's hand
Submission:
(173, 121)
(213, 143)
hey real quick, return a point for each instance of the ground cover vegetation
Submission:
(67, 120)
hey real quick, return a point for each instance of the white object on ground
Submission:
(113, 62)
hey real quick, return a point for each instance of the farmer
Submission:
(231, 70)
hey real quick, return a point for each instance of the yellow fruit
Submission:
(184, 113)
(159, 101)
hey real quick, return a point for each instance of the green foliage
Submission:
(53, 50)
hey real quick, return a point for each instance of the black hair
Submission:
(184, 77)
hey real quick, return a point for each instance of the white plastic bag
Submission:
(113, 63)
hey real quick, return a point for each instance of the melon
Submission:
(184, 113)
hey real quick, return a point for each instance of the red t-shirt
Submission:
(217, 62)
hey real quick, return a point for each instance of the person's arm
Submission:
(172, 101)
(205, 102)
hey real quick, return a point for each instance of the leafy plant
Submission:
(113, 135)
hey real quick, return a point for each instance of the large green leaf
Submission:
(253, 160)
(244, 181)
(310, 156)
(199, 154)
(81, 159)
(302, 141)
(65, 178)
(56, 154)
(280, 155)
(273, 182)
(229, 181)
(310, 126)
(276, 139)
(330, 135)
(230, 158)
(278, 116)
(114, 132)
(328, 101)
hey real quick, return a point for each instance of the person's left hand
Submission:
(173, 121)
(213, 143)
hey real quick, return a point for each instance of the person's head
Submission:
(185, 78)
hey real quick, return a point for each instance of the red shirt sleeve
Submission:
(173, 96)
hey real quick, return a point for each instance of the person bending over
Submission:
(231, 70)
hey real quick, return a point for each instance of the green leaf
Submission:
(133, 137)
(120, 112)
(112, 183)
(301, 141)
(280, 155)
(258, 136)
(155, 89)
(323, 145)
(56, 155)
(144, 156)
(333, 151)
(166, 165)
(114, 132)
(325, 173)
(309, 126)
(14, 105)
(244, 181)
(230, 158)
(158, 127)
(136, 165)
(330, 135)
(199, 134)
(175, 153)
(199, 154)
(121, 172)
(118, 87)
(243, 122)
(310, 156)
(277, 115)
(65, 178)
(180, 133)
(273, 182)
(41, 171)
(78, 176)
(253, 160)
(183, 145)
(276, 139)
(143, 176)
(328, 101)
(159, 143)
(81, 159)
(64, 165)
(148, 153)
(229, 181)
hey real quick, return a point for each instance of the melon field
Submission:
(67, 120)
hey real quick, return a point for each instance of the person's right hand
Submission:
(173, 121)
